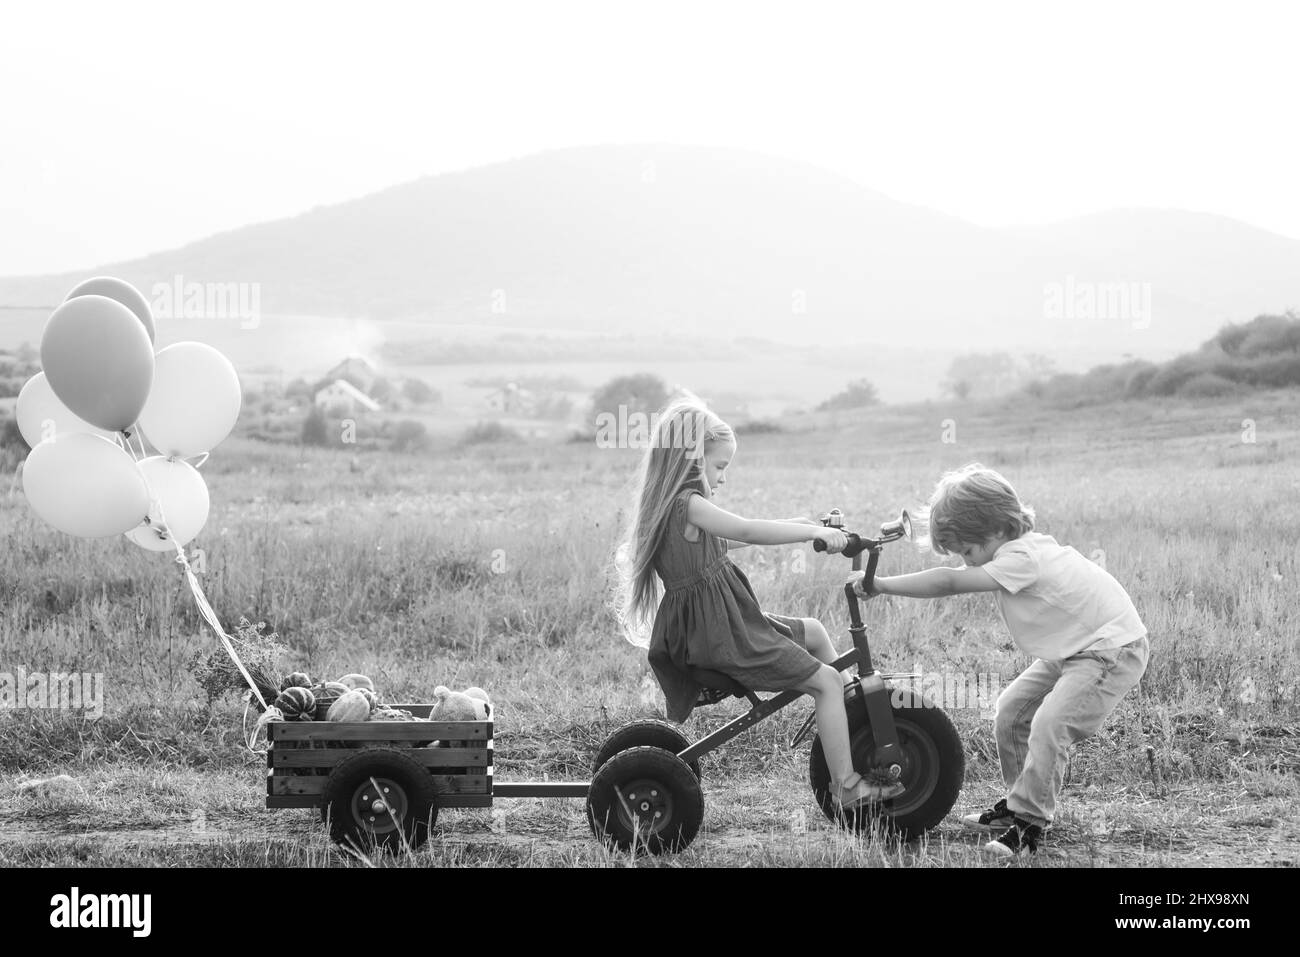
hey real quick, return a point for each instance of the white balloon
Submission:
(194, 401)
(179, 503)
(85, 485)
(42, 415)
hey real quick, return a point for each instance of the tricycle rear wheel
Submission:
(645, 798)
(648, 732)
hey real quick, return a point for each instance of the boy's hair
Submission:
(973, 504)
(673, 462)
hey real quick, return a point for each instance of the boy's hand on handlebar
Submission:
(857, 580)
(834, 539)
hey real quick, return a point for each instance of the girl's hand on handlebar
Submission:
(834, 539)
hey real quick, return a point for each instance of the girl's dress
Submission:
(709, 618)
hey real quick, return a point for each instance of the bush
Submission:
(483, 432)
(1138, 379)
(381, 390)
(13, 447)
(1270, 372)
(1263, 335)
(643, 392)
(419, 391)
(554, 406)
(299, 389)
(1205, 384)
(758, 427)
(11, 436)
(857, 395)
(314, 429)
(1170, 376)
(410, 436)
(1263, 353)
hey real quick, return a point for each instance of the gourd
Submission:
(296, 704)
(355, 681)
(370, 696)
(326, 695)
(352, 706)
(299, 679)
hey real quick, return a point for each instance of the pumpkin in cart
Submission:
(296, 704)
(326, 695)
(299, 679)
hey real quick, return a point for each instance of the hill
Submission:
(725, 242)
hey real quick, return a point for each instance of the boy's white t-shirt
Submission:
(1056, 603)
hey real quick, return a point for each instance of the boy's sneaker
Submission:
(1020, 838)
(997, 818)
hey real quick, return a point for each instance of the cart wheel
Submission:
(648, 733)
(646, 798)
(932, 760)
(381, 798)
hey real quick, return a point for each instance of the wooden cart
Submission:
(383, 782)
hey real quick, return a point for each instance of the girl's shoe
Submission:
(1020, 838)
(860, 793)
(997, 818)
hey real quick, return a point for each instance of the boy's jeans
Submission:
(1048, 708)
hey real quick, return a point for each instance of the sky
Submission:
(129, 128)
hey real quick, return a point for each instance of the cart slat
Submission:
(428, 757)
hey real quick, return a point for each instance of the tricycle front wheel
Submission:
(931, 760)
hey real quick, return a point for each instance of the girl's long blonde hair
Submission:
(674, 461)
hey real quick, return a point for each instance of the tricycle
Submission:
(378, 783)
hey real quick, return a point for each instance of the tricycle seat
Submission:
(718, 686)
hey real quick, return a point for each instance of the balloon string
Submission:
(210, 617)
(200, 599)
(124, 440)
(250, 739)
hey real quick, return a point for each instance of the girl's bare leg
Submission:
(821, 647)
(847, 785)
(832, 722)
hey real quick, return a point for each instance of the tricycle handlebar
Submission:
(901, 527)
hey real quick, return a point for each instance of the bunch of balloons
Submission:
(102, 385)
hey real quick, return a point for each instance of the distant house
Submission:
(511, 399)
(340, 392)
(357, 370)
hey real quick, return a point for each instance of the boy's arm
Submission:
(935, 583)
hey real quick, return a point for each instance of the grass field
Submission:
(489, 566)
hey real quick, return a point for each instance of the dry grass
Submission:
(488, 566)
